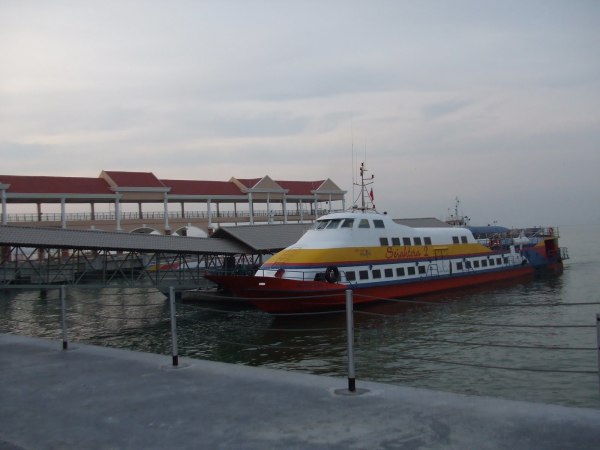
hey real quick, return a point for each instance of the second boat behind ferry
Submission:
(380, 258)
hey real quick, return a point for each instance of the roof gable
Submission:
(118, 179)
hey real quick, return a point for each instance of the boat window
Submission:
(334, 223)
(363, 274)
(422, 269)
(463, 239)
(320, 224)
(492, 262)
(468, 264)
(476, 264)
(406, 241)
(378, 224)
(400, 271)
(427, 240)
(484, 263)
(459, 266)
(364, 223)
(383, 242)
(499, 261)
(455, 240)
(389, 273)
(395, 241)
(348, 223)
(506, 260)
(417, 241)
(350, 276)
(376, 273)
(411, 270)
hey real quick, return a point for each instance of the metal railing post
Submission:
(350, 337)
(173, 327)
(598, 343)
(63, 316)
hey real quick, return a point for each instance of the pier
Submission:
(96, 397)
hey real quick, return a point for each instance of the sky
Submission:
(496, 103)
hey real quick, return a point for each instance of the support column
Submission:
(140, 212)
(284, 204)
(269, 218)
(39, 212)
(63, 216)
(118, 212)
(301, 211)
(250, 208)
(208, 214)
(93, 211)
(4, 211)
(330, 202)
(166, 209)
(316, 206)
(182, 210)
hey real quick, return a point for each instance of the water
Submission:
(442, 343)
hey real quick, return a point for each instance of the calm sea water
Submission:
(531, 340)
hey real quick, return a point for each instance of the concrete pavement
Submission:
(92, 397)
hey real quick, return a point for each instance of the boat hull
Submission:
(281, 295)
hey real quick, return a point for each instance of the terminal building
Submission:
(164, 206)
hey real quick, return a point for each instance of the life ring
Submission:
(332, 274)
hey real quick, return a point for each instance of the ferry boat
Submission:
(379, 258)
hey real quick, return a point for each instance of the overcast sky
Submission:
(497, 103)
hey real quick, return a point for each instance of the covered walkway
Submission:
(205, 202)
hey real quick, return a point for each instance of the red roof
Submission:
(134, 179)
(55, 185)
(189, 187)
(300, 187)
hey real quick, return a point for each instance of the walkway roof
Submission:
(264, 238)
(105, 240)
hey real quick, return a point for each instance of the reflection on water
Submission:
(459, 342)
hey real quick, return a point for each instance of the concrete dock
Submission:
(92, 397)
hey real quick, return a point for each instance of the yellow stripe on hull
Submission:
(365, 254)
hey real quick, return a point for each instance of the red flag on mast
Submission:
(372, 197)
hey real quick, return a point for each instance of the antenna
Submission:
(364, 194)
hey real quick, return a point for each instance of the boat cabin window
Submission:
(499, 261)
(411, 270)
(350, 276)
(364, 223)
(400, 271)
(347, 223)
(334, 223)
(395, 241)
(383, 242)
(455, 240)
(484, 263)
(389, 273)
(422, 269)
(417, 241)
(468, 264)
(376, 273)
(492, 262)
(459, 266)
(427, 240)
(329, 224)
(476, 264)
(406, 241)
(378, 224)
(463, 239)
(363, 274)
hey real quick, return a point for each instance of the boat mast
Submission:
(365, 197)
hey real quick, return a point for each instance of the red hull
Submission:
(280, 295)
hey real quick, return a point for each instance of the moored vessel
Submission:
(378, 258)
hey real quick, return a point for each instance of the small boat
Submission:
(380, 258)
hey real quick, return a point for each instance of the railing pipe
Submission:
(63, 316)
(598, 344)
(174, 350)
(350, 337)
